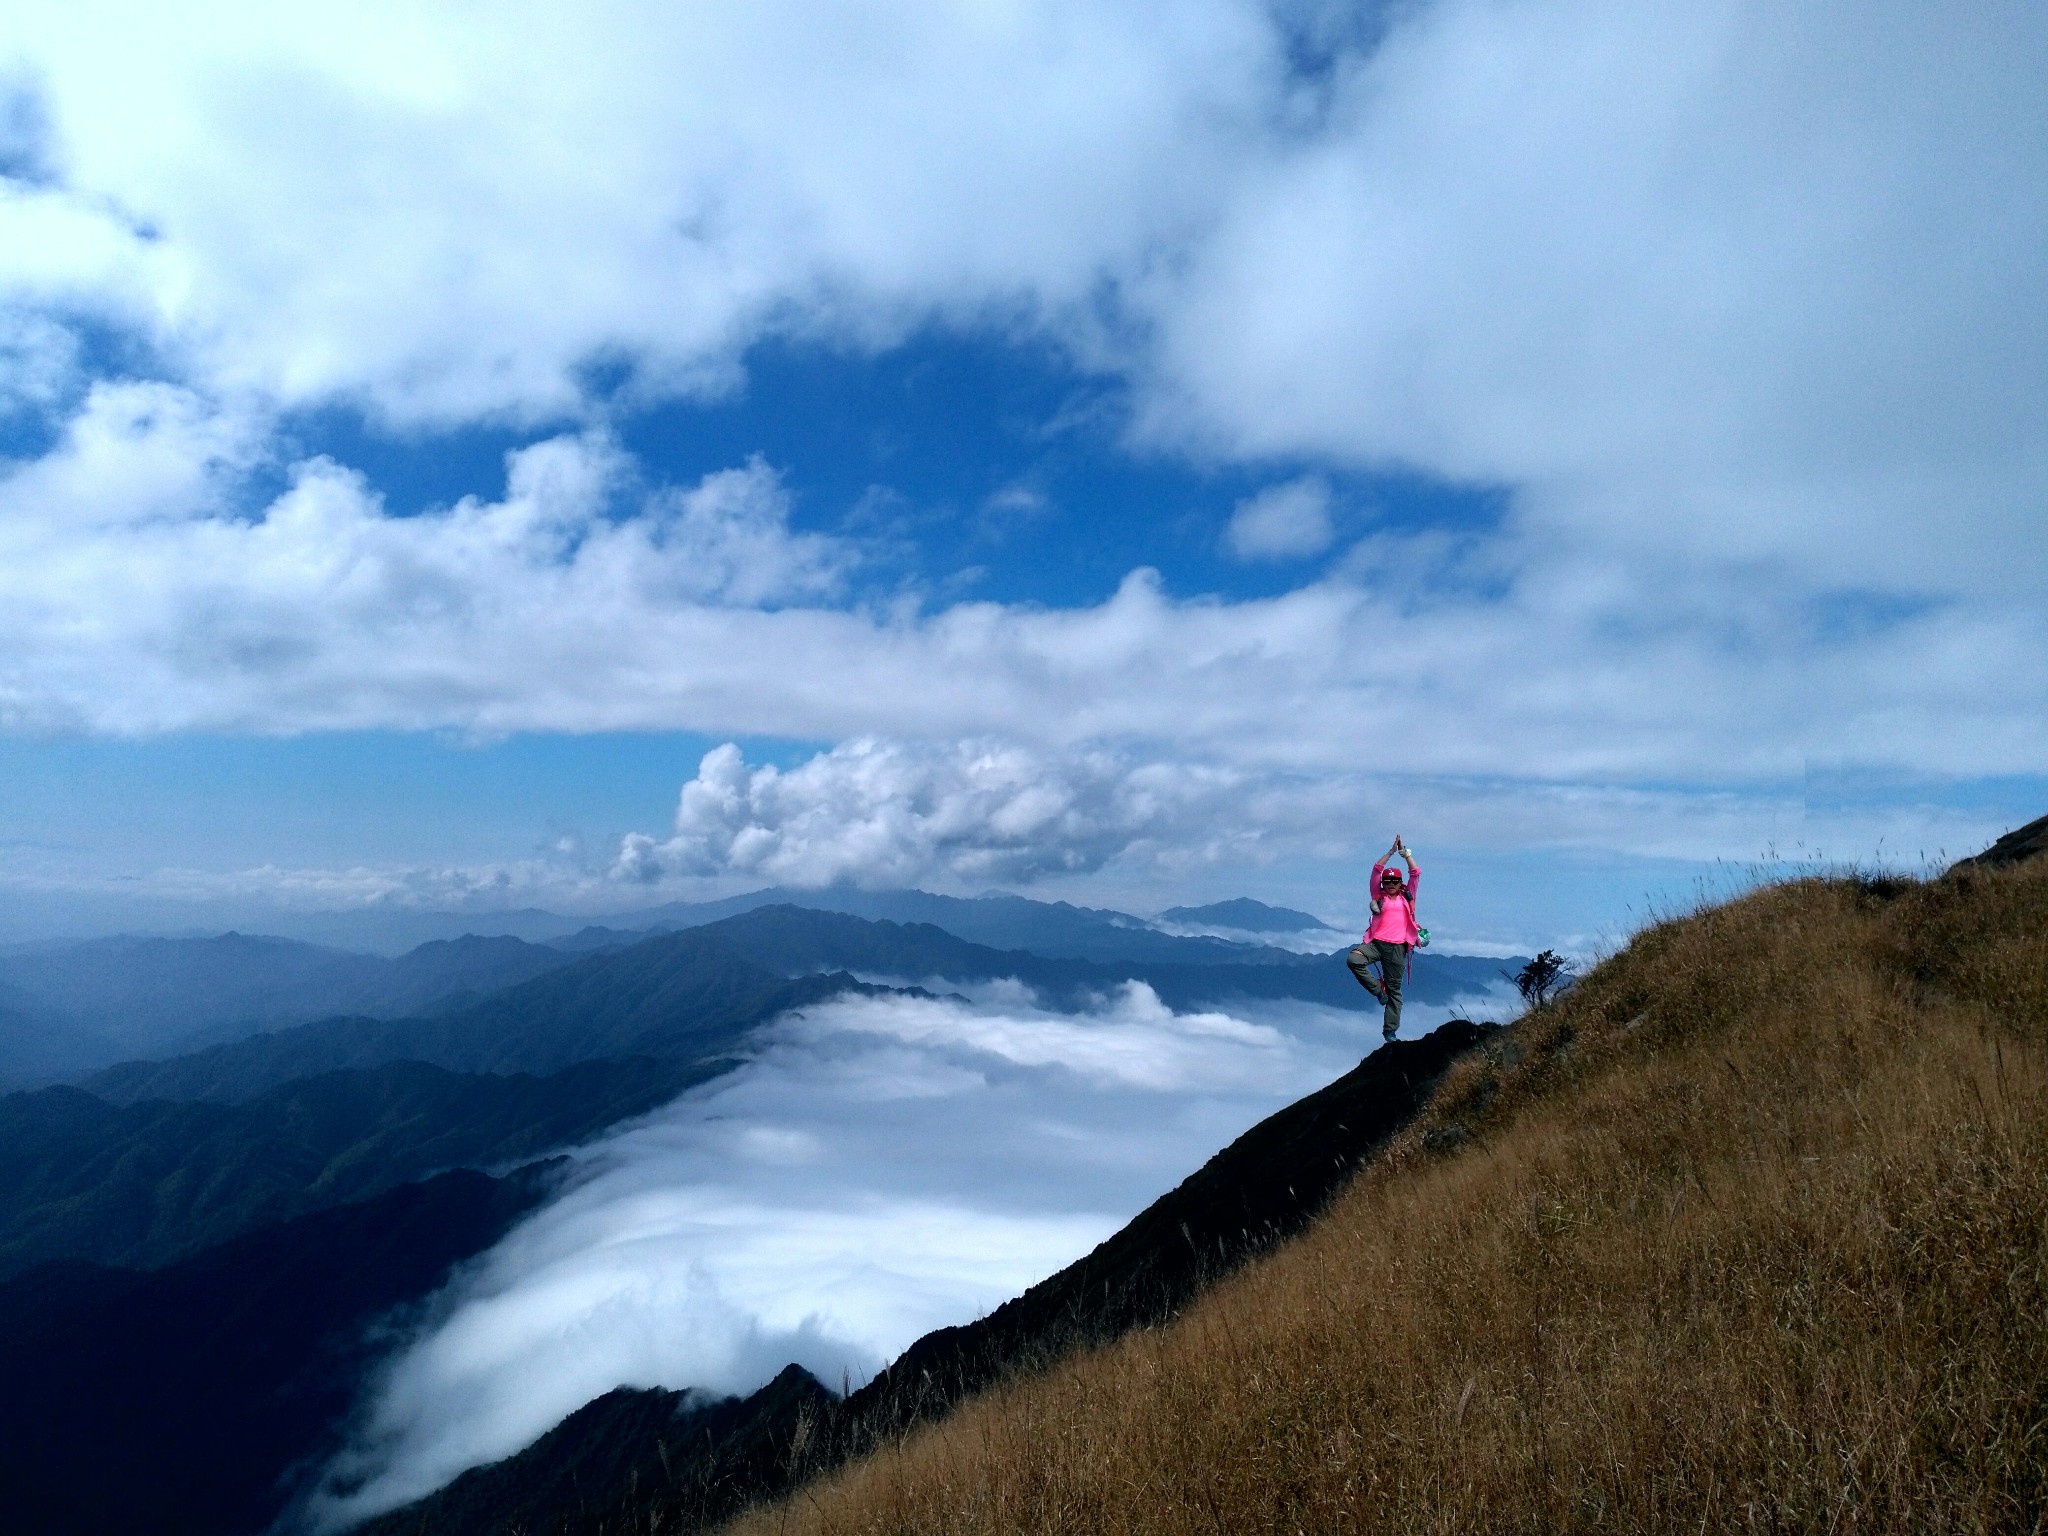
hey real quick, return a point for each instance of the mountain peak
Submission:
(1246, 916)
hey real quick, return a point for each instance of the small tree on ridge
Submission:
(1542, 978)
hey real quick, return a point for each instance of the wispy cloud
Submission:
(883, 1167)
(1283, 522)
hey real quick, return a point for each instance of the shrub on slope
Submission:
(1748, 1232)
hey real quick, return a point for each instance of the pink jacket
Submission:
(1393, 917)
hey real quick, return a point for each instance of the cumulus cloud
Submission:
(1283, 522)
(892, 813)
(124, 553)
(1718, 283)
(883, 1167)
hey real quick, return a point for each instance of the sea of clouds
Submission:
(881, 1167)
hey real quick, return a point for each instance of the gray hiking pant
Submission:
(1393, 960)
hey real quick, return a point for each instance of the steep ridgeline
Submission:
(187, 1399)
(2016, 847)
(148, 1183)
(676, 997)
(597, 1469)
(67, 1008)
(661, 1461)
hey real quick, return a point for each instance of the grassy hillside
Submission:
(1749, 1232)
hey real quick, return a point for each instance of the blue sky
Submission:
(1128, 454)
(981, 465)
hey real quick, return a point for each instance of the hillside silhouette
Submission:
(1245, 916)
(187, 1400)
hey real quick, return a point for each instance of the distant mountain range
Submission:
(243, 1110)
(997, 919)
(147, 1161)
(1244, 915)
(694, 994)
(72, 1008)
(675, 997)
(67, 1008)
(1055, 930)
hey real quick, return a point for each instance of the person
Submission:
(1391, 934)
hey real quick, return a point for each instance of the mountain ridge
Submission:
(729, 976)
(144, 1184)
(88, 1004)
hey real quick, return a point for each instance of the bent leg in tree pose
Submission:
(1390, 936)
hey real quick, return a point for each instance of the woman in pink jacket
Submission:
(1391, 935)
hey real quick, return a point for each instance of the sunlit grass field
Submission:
(1749, 1231)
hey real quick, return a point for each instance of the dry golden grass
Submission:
(1750, 1232)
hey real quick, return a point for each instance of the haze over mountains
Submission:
(71, 1007)
(233, 1098)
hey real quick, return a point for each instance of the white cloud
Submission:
(885, 1167)
(1740, 304)
(447, 211)
(136, 596)
(1283, 522)
(38, 361)
(1726, 283)
(123, 562)
(892, 813)
(1717, 283)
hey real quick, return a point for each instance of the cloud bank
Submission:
(885, 1166)
(135, 597)
(448, 213)
(1710, 282)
